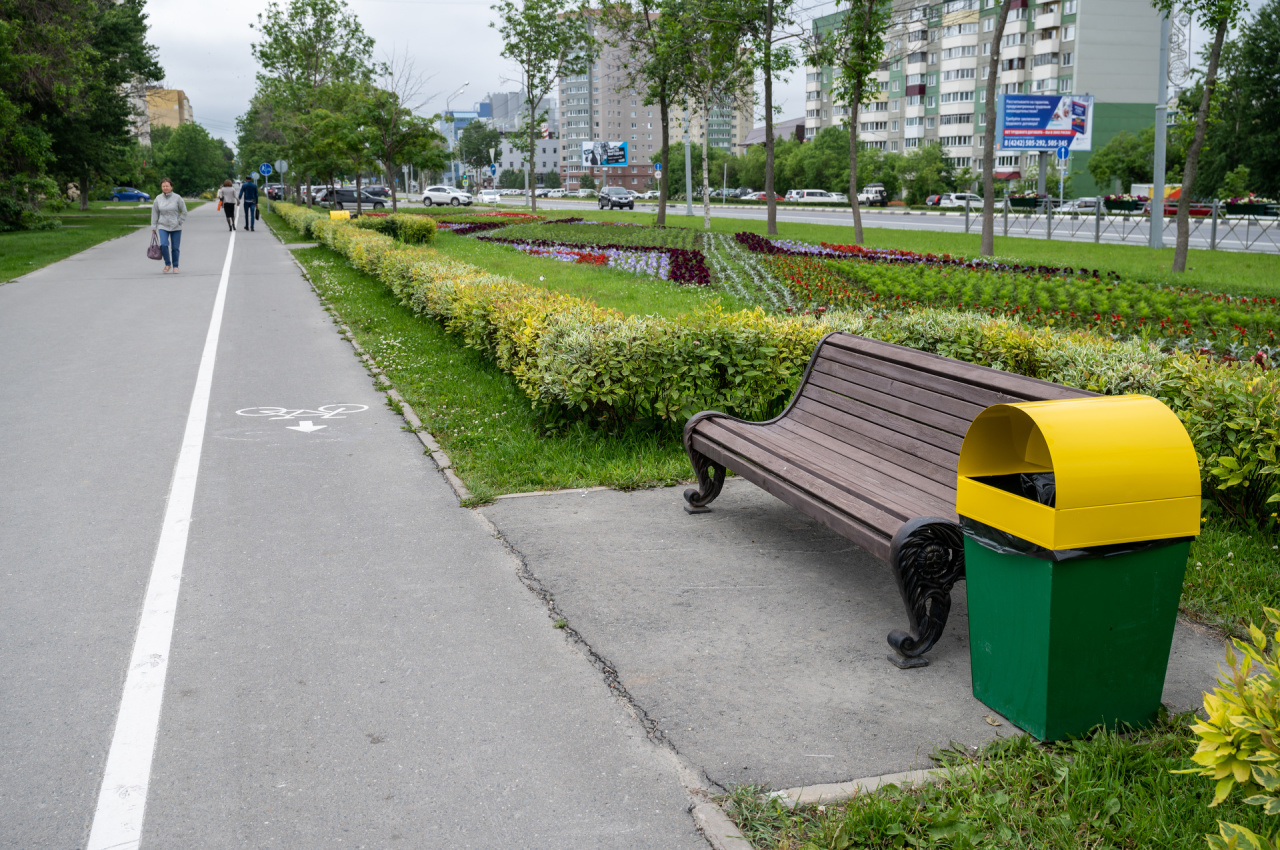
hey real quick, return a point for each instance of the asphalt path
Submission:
(1262, 236)
(353, 659)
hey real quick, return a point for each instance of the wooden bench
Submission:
(869, 447)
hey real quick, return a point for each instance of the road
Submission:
(1261, 236)
(222, 628)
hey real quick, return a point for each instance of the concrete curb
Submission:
(839, 792)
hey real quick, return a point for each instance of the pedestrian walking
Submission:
(227, 195)
(249, 200)
(168, 212)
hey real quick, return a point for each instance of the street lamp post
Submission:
(453, 134)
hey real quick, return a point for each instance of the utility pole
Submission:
(688, 166)
(1162, 128)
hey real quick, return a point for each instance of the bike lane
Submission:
(354, 660)
(98, 357)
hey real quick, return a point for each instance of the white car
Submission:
(446, 195)
(490, 196)
(556, 193)
(812, 196)
(651, 195)
(954, 200)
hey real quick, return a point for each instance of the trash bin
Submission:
(1078, 517)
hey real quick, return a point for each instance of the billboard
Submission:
(1044, 122)
(600, 153)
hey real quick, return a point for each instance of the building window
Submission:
(929, 122)
(894, 105)
(911, 143)
(1068, 59)
(1068, 33)
(1069, 7)
(894, 126)
(930, 102)
(1064, 85)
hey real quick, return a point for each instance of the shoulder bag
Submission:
(154, 252)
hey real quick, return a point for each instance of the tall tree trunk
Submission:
(359, 195)
(84, 189)
(706, 164)
(1193, 152)
(853, 165)
(768, 121)
(664, 192)
(528, 162)
(391, 184)
(989, 139)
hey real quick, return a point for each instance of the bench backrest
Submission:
(909, 407)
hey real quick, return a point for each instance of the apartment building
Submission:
(168, 108)
(600, 104)
(546, 157)
(934, 77)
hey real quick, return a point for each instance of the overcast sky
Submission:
(204, 50)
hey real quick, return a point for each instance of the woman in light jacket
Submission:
(227, 194)
(168, 212)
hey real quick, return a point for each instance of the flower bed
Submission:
(681, 266)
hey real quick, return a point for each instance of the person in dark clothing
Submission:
(249, 200)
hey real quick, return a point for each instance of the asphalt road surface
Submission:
(1259, 235)
(239, 607)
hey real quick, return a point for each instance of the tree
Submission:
(551, 179)
(509, 178)
(766, 22)
(393, 133)
(854, 48)
(96, 128)
(1129, 158)
(547, 39)
(474, 143)
(192, 159)
(989, 136)
(926, 171)
(656, 68)
(1219, 16)
(586, 181)
(718, 72)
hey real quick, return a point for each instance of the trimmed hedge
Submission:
(576, 360)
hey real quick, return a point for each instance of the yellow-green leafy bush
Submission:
(1240, 737)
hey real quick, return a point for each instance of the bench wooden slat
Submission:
(909, 393)
(845, 473)
(874, 539)
(871, 513)
(904, 374)
(944, 440)
(1027, 389)
(928, 461)
(855, 458)
(860, 397)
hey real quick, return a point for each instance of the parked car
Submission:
(1080, 205)
(585, 193)
(490, 196)
(446, 195)
(813, 196)
(651, 195)
(954, 200)
(932, 200)
(378, 191)
(840, 197)
(744, 191)
(873, 195)
(616, 197)
(342, 198)
(128, 193)
(556, 193)
(762, 196)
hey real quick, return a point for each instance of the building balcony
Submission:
(1048, 19)
(1047, 45)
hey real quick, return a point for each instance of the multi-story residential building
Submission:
(168, 108)
(601, 105)
(546, 157)
(506, 111)
(933, 80)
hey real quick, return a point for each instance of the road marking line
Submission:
(117, 822)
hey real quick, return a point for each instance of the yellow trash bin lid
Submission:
(339, 215)
(1123, 466)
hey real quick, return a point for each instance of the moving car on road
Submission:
(490, 196)
(954, 200)
(616, 197)
(128, 193)
(446, 195)
(341, 199)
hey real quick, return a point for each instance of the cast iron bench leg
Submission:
(927, 559)
(710, 480)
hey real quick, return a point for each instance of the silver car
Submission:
(446, 196)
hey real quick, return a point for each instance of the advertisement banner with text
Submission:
(1044, 122)
(600, 153)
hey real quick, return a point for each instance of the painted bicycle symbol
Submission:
(328, 411)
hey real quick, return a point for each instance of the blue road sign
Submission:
(264, 169)
(1064, 152)
(493, 169)
(657, 166)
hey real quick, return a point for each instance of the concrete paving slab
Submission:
(755, 638)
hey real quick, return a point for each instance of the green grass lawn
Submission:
(1236, 273)
(1106, 791)
(477, 413)
(25, 251)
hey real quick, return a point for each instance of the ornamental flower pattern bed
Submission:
(675, 264)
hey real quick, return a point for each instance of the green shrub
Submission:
(1240, 737)
(414, 229)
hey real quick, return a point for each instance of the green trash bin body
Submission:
(1059, 647)
(1071, 617)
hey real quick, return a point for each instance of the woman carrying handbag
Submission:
(168, 212)
(227, 203)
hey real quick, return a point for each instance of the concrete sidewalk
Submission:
(355, 661)
(754, 637)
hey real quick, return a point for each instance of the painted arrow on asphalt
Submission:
(306, 427)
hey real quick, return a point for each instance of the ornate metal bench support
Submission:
(710, 475)
(927, 560)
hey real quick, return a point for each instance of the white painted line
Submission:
(117, 822)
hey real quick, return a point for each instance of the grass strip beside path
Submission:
(476, 412)
(1105, 791)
